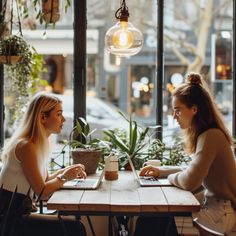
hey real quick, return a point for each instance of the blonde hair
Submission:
(195, 92)
(31, 128)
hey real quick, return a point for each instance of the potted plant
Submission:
(48, 11)
(15, 52)
(140, 144)
(11, 49)
(19, 57)
(84, 149)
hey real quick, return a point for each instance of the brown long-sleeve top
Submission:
(213, 166)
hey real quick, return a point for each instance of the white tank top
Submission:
(12, 174)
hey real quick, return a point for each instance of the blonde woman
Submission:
(25, 167)
(213, 164)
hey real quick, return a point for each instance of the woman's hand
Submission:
(150, 170)
(75, 171)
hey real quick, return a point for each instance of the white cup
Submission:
(152, 162)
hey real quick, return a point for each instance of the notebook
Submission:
(90, 183)
(148, 181)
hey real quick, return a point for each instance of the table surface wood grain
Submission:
(124, 196)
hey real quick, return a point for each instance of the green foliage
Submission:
(141, 144)
(82, 136)
(37, 5)
(37, 69)
(67, 5)
(138, 144)
(21, 71)
(23, 78)
(175, 156)
(25, 73)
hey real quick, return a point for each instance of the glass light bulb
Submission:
(123, 38)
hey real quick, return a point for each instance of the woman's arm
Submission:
(162, 171)
(191, 178)
(207, 146)
(167, 170)
(26, 154)
(61, 171)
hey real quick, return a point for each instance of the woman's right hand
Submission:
(75, 171)
(150, 170)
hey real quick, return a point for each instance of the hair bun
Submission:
(194, 78)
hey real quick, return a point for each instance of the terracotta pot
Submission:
(10, 60)
(51, 11)
(128, 167)
(89, 158)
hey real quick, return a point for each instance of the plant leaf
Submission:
(117, 141)
(133, 137)
(78, 127)
(85, 126)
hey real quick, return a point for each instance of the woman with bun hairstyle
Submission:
(209, 144)
(25, 174)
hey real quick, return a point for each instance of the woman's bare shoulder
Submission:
(24, 147)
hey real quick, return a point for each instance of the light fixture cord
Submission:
(122, 13)
(18, 16)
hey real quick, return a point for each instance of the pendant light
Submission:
(123, 39)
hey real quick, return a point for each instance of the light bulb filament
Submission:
(123, 38)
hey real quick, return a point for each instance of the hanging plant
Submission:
(47, 11)
(21, 71)
(18, 88)
(51, 11)
(15, 52)
(22, 76)
(12, 47)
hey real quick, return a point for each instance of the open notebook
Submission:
(148, 181)
(90, 183)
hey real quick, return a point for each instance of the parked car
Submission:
(100, 115)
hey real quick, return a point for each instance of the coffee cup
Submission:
(153, 162)
(111, 168)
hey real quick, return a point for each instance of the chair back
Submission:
(13, 206)
(204, 231)
(4, 221)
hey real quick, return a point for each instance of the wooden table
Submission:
(124, 197)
